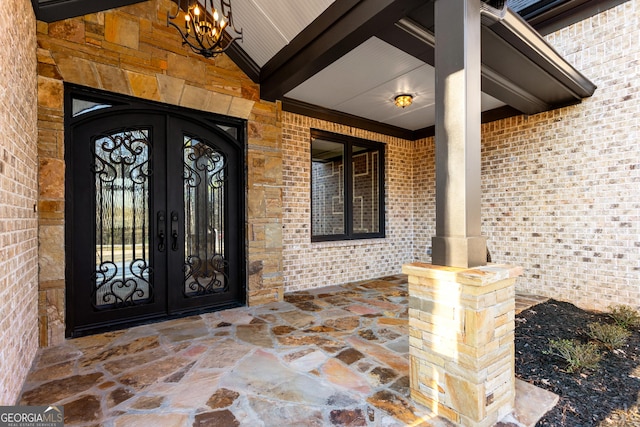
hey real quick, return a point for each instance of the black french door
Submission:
(154, 216)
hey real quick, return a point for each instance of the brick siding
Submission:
(561, 190)
(312, 265)
(18, 197)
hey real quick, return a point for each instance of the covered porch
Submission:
(112, 378)
(332, 356)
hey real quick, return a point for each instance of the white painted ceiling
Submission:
(366, 81)
(269, 25)
(363, 83)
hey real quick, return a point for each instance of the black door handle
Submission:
(174, 230)
(161, 231)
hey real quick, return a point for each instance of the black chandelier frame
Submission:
(197, 27)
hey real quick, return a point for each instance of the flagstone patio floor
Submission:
(331, 356)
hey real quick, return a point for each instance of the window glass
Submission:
(347, 182)
(327, 161)
(80, 106)
(365, 192)
(233, 131)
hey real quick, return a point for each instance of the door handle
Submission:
(174, 231)
(161, 231)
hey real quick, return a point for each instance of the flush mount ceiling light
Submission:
(403, 100)
(205, 25)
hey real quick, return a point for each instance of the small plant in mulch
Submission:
(602, 397)
(578, 356)
(625, 316)
(610, 336)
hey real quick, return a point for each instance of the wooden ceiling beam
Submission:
(341, 28)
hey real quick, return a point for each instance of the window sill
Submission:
(344, 243)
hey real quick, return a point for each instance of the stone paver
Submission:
(332, 356)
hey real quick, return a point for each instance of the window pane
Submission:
(122, 276)
(366, 216)
(230, 130)
(205, 266)
(327, 205)
(80, 107)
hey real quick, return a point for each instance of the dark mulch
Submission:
(605, 396)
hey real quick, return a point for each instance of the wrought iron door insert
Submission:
(121, 174)
(155, 213)
(204, 186)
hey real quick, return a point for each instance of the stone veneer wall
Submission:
(131, 51)
(312, 265)
(18, 197)
(561, 190)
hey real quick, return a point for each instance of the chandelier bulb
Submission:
(204, 28)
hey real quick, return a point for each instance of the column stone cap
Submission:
(475, 276)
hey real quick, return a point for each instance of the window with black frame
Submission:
(347, 187)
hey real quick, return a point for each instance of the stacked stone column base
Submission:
(461, 343)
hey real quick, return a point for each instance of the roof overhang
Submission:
(516, 59)
(520, 69)
(547, 16)
(518, 66)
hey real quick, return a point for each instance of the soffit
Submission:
(270, 25)
(519, 70)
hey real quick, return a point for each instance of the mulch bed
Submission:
(606, 396)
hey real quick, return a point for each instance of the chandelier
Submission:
(204, 26)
